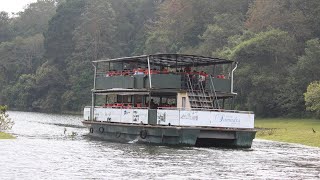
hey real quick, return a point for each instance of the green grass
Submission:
(290, 130)
(6, 136)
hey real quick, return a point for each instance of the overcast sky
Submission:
(14, 5)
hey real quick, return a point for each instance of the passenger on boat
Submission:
(164, 70)
(221, 76)
(153, 71)
(153, 105)
(202, 79)
(125, 72)
(195, 79)
(138, 71)
(187, 69)
(110, 73)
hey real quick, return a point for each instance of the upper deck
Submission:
(164, 73)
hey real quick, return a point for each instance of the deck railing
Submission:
(180, 109)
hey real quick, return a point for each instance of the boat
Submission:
(167, 99)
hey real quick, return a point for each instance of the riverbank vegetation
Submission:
(6, 136)
(5, 123)
(46, 50)
(301, 131)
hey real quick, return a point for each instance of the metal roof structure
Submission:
(170, 60)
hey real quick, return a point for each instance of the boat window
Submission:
(164, 102)
(155, 99)
(138, 98)
(124, 99)
(111, 99)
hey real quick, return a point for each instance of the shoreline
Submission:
(76, 113)
(283, 142)
(4, 135)
(298, 131)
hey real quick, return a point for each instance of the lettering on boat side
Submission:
(193, 115)
(164, 117)
(125, 112)
(108, 115)
(227, 118)
(135, 116)
(161, 117)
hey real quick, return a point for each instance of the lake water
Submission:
(44, 150)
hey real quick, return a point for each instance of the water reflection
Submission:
(44, 151)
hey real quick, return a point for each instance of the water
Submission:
(43, 151)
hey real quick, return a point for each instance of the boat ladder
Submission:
(198, 97)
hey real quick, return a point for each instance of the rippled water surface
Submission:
(44, 150)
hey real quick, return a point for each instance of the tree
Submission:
(216, 35)
(312, 97)
(5, 29)
(94, 36)
(34, 19)
(264, 62)
(59, 42)
(52, 76)
(131, 22)
(5, 122)
(312, 11)
(192, 26)
(50, 86)
(307, 64)
(305, 71)
(297, 17)
(21, 56)
(21, 94)
(178, 23)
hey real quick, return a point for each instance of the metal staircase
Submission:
(213, 92)
(199, 98)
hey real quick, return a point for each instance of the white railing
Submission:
(176, 117)
(176, 108)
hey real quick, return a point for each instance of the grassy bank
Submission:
(302, 131)
(6, 136)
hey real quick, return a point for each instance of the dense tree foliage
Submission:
(312, 97)
(5, 29)
(46, 50)
(264, 62)
(34, 19)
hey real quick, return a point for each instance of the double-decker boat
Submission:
(171, 99)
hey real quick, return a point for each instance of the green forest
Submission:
(46, 50)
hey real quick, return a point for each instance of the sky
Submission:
(14, 5)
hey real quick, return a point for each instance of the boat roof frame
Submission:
(171, 60)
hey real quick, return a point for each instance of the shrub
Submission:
(5, 122)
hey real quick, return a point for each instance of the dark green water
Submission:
(43, 150)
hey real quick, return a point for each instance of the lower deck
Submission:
(172, 135)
